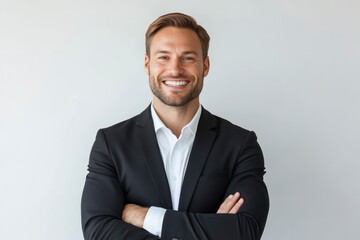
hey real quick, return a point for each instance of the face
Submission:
(176, 67)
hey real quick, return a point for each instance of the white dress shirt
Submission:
(175, 153)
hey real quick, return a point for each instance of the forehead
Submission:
(176, 38)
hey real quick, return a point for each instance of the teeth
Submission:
(176, 83)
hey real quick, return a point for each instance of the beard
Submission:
(175, 100)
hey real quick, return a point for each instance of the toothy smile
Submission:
(176, 83)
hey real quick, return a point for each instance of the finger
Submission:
(229, 203)
(227, 200)
(237, 206)
(222, 208)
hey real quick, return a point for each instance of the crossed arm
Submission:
(107, 214)
(135, 214)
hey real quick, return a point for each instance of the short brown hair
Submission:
(179, 20)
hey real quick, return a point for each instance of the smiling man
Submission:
(176, 67)
(175, 171)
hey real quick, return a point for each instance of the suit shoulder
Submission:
(230, 134)
(229, 131)
(125, 124)
(130, 123)
(230, 127)
(126, 129)
(119, 132)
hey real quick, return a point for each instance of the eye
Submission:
(188, 59)
(162, 57)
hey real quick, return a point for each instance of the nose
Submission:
(175, 67)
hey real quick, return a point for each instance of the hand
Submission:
(134, 214)
(232, 204)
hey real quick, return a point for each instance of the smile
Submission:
(176, 83)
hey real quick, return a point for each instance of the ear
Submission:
(146, 63)
(206, 66)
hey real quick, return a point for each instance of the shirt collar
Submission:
(192, 125)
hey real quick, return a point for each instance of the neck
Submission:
(175, 118)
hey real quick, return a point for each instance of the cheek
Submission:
(158, 71)
(197, 71)
(154, 69)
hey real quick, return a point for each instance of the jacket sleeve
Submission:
(103, 199)
(248, 223)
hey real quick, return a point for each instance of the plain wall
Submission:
(289, 70)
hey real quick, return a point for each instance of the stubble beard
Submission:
(175, 101)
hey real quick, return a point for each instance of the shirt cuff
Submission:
(154, 219)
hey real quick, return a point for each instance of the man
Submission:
(175, 171)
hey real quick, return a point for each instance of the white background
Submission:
(289, 70)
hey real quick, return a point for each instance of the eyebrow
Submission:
(183, 53)
(161, 51)
(190, 52)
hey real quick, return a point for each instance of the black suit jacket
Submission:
(126, 167)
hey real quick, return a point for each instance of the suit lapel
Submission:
(205, 136)
(153, 157)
